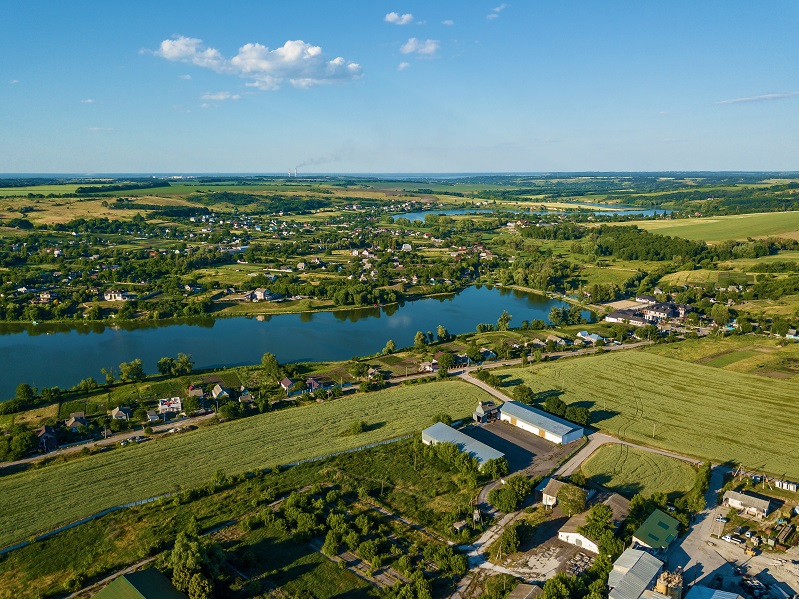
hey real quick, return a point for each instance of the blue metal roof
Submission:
(441, 433)
(538, 418)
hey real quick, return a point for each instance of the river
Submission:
(601, 210)
(50, 355)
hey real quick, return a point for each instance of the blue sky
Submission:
(372, 86)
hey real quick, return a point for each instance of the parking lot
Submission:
(523, 450)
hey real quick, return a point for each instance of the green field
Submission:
(39, 500)
(628, 471)
(730, 358)
(719, 228)
(696, 410)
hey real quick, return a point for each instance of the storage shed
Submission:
(540, 423)
(441, 433)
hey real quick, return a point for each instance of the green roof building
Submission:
(657, 531)
(145, 584)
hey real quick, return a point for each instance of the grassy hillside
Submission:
(696, 410)
(719, 228)
(39, 500)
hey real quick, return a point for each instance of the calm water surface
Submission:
(48, 355)
(602, 210)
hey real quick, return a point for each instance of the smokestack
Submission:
(295, 171)
(289, 172)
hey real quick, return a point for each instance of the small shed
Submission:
(486, 411)
(549, 488)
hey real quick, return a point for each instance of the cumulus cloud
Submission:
(403, 65)
(88, 101)
(398, 19)
(763, 98)
(422, 48)
(296, 61)
(448, 22)
(494, 14)
(220, 96)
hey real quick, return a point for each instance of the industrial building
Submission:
(570, 533)
(633, 572)
(441, 433)
(657, 531)
(540, 423)
(755, 506)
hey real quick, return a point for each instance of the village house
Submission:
(47, 438)
(286, 384)
(117, 296)
(195, 392)
(152, 416)
(121, 413)
(570, 531)
(549, 488)
(220, 392)
(486, 411)
(172, 405)
(76, 420)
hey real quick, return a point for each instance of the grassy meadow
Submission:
(719, 228)
(628, 471)
(38, 500)
(697, 410)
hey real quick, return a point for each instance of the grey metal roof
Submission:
(700, 592)
(632, 573)
(441, 433)
(749, 500)
(550, 486)
(538, 418)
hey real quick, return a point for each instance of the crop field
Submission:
(708, 278)
(628, 471)
(710, 413)
(719, 228)
(40, 500)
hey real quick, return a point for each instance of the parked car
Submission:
(722, 519)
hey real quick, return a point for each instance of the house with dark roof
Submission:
(657, 531)
(144, 584)
(571, 533)
(486, 411)
(47, 438)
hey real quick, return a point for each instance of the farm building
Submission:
(702, 592)
(756, 506)
(657, 531)
(569, 532)
(442, 433)
(486, 411)
(540, 423)
(549, 488)
(633, 572)
(145, 584)
(525, 591)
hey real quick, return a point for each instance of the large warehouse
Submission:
(441, 433)
(540, 423)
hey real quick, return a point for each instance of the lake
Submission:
(50, 355)
(602, 210)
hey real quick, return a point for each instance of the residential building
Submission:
(286, 384)
(173, 404)
(47, 438)
(549, 488)
(121, 413)
(540, 423)
(220, 392)
(442, 433)
(114, 295)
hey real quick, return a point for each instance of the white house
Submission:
(755, 506)
(549, 488)
(173, 404)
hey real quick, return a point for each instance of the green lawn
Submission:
(719, 228)
(730, 358)
(695, 410)
(628, 471)
(39, 500)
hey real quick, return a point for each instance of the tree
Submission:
(720, 314)
(183, 364)
(420, 339)
(270, 366)
(442, 417)
(504, 321)
(571, 499)
(200, 587)
(447, 360)
(166, 365)
(556, 316)
(25, 393)
(555, 405)
(358, 369)
(578, 415)
(109, 376)
(132, 371)
(390, 347)
(442, 334)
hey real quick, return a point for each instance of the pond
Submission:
(49, 355)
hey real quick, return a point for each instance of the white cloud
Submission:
(448, 22)
(422, 48)
(494, 14)
(763, 98)
(398, 19)
(220, 96)
(88, 101)
(297, 62)
(186, 77)
(403, 65)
